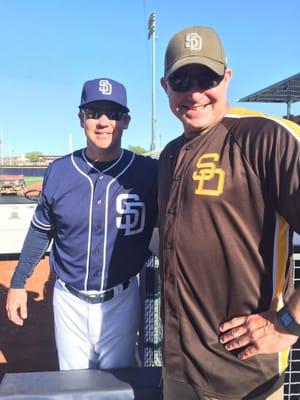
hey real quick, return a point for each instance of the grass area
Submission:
(29, 180)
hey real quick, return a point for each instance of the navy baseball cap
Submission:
(103, 89)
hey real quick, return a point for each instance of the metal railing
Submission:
(151, 331)
(292, 376)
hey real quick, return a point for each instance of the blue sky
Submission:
(49, 48)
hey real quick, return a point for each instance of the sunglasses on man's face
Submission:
(96, 113)
(183, 82)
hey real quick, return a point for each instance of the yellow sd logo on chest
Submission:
(208, 172)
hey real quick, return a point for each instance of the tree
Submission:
(137, 149)
(34, 156)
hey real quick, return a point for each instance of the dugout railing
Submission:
(292, 376)
(151, 331)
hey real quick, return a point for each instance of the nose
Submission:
(103, 120)
(196, 94)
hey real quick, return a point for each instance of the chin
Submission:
(194, 125)
(103, 145)
(103, 148)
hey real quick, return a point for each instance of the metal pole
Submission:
(1, 143)
(153, 144)
(10, 153)
(152, 30)
(288, 111)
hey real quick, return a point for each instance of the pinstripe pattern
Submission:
(79, 205)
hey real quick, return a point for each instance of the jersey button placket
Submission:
(188, 147)
(172, 210)
(96, 244)
(169, 245)
(177, 178)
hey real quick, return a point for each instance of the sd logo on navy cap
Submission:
(104, 89)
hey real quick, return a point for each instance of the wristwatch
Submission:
(288, 322)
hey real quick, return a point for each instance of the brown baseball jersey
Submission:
(229, 201)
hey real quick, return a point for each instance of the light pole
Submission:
(1, 144)
(151, 34)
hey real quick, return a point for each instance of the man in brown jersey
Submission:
(229, 197)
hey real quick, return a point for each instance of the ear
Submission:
(126, 121)
(81, 118)
(228, 75)
(164, 83)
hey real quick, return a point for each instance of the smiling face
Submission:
(198, 108)
(103, 130)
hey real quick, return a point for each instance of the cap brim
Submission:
(99, 101)
(217, 67)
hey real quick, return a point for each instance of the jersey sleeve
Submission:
(34, 248)
(276, 156)
(42, 218)
(38, 236)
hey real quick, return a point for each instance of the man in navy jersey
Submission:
(98, 205)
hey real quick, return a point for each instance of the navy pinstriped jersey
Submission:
(101, 221)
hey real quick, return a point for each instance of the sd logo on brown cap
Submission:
(195, 45)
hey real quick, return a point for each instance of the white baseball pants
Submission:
(102, 335)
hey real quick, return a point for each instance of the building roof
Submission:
(285, 91)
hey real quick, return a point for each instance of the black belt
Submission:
(96, 298)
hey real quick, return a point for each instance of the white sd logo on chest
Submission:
(133, 213)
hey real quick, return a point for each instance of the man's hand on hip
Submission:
(16, 305)
(255, 334)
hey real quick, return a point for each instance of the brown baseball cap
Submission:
(195, 45)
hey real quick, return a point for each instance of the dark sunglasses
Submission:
(96, 113)
(183, 82)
